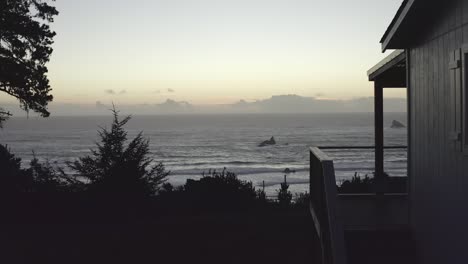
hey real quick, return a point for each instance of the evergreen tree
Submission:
(114, 168)
(25, 48)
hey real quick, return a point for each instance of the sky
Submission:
(215, 51)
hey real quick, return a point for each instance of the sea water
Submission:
(192, 144)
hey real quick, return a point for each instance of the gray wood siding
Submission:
(438, 168)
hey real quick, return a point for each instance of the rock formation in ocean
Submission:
(397, 124)
(270, 142)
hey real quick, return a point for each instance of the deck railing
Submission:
(323, 207)
(381, 185)
(331, 212)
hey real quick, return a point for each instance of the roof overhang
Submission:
(411, 18)
(391, 71)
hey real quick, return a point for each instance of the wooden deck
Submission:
(380, 247)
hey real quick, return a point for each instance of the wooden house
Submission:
(430, 39)
(434, 37)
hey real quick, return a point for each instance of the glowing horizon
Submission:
(214, 51)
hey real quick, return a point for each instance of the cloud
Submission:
(113, 92)
(276, 104)
(100, 105)
(157, 91)
(109, 91)
(170, 90)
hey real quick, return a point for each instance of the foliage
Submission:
(12, 178)
(357, 185)
(39, 177)
(261, 196)
(221, 189)
(48, 178)
(25, 48)
(284, 195)
(302, 200)
(118, 169)
(216, 190)
(4, 115)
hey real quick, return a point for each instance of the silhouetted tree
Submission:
(48, 178)
(118, 169)
(13, 179)
(284, 195)
(25, 48)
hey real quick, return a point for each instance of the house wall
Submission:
(438, 168)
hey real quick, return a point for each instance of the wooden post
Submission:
(379, 139)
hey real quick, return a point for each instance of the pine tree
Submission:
(116, 168)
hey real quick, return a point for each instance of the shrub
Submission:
(215, 191)
(357, 185)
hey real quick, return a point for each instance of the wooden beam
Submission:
(361, 147)
(379, 138)
(395, 58)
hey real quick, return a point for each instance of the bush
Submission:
(357, 185)
(215, 191)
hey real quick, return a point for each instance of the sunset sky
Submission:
(215, 51)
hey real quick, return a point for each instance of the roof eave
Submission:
(389, 37)
(387, 63)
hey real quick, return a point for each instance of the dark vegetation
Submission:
(365, 184)
(116, 207)
(124, 173)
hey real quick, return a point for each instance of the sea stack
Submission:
(397, 124)
(270, 142)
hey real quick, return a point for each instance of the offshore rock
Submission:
(270, 142)
(397, 124)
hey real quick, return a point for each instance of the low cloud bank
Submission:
(274, 105)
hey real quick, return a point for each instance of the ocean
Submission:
(190, 144)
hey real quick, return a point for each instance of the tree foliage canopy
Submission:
(25, 48)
